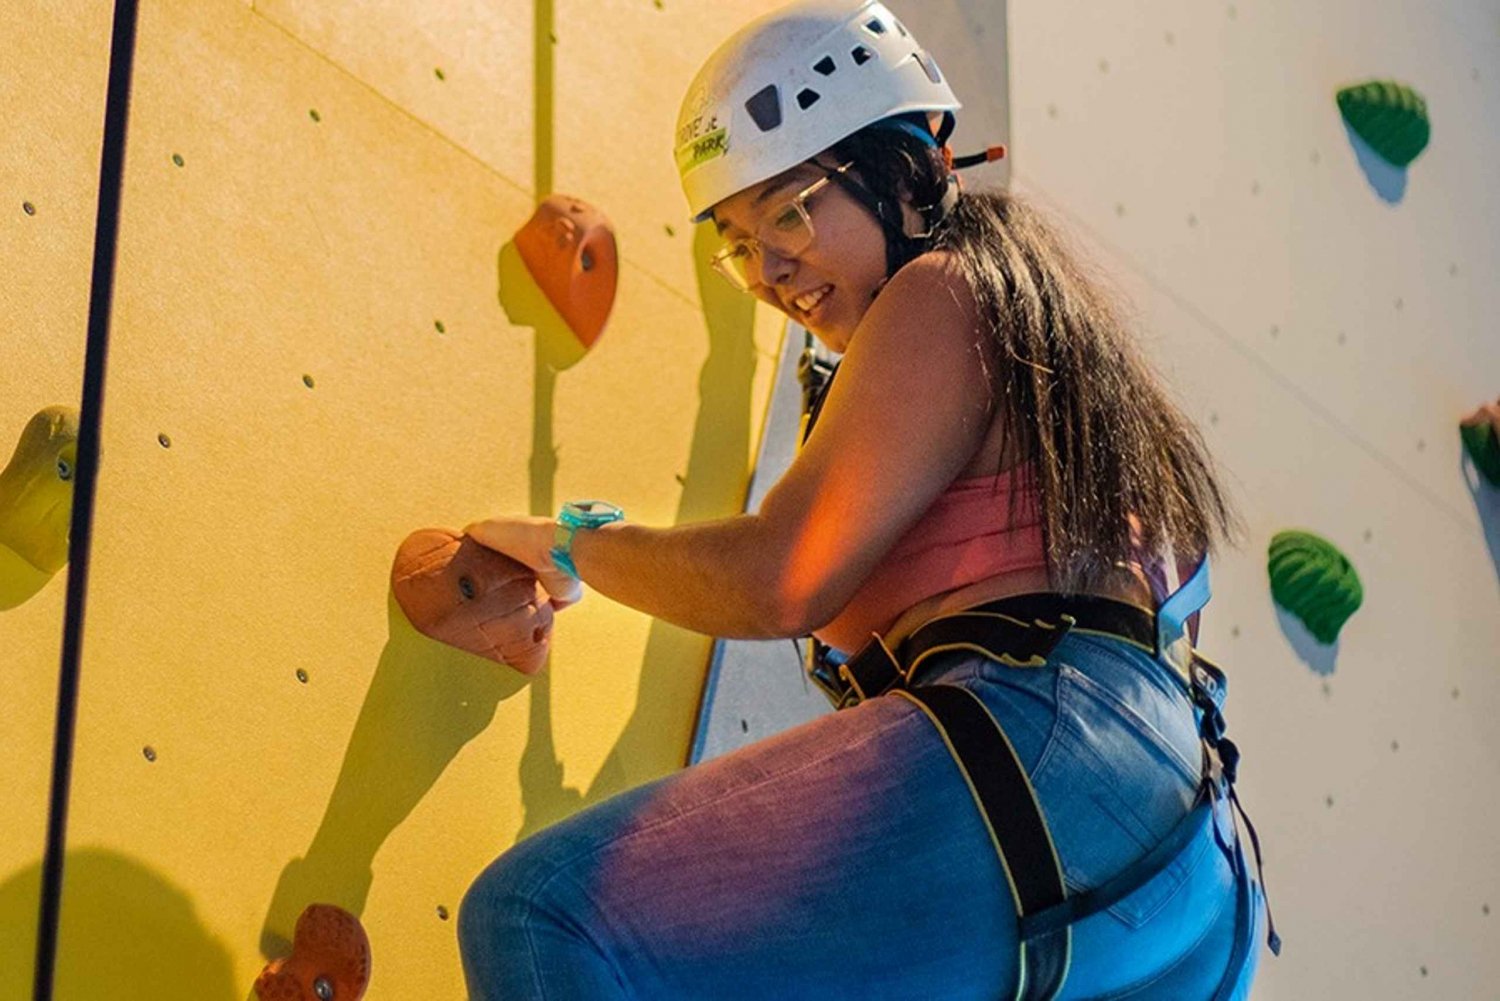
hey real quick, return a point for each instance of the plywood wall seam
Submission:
(666, 286)
(452, 144)
(398, 108)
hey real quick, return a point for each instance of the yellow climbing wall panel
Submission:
(322, 341)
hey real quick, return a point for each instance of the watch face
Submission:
(593, 512)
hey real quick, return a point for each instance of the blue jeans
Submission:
(847, 858)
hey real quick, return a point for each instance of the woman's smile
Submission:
(811, 304)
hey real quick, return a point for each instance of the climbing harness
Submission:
(1021, 631)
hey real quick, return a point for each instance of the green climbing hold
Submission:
(1390, 116)
(1483, 446)
(1314, 581)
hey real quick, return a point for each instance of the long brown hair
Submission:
(1079, 397)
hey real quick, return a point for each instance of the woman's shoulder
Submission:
(931, 289)
(939, 266)
(930, 300)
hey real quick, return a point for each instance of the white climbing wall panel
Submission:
(1327, 340)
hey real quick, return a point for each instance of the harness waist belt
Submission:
(1019, 631)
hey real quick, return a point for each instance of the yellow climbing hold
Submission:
(36, 504)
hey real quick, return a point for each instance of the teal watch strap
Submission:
(574, 516)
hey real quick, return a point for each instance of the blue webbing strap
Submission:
(1172, 641)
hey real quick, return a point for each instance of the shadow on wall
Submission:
(544, 798)
(427, 700)
(1388, 180)
(712, 488)
(526, 305)
(1321, 657)
(36, 504)
(1487, 503)
(127, 935)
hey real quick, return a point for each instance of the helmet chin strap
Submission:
(901, 246)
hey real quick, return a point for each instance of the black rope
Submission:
(106, 233)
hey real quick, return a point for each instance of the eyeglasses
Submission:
(787, 232)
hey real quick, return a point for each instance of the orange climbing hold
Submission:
(459, 592)
(569, 247)
(330, 960)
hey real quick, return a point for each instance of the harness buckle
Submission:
(876, 669)
(872, 671)
(1042, 637)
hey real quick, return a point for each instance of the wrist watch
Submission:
(575, 515)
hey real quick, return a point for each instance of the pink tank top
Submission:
(969, 533)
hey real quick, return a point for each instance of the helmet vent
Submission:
(764, 107)
(807, 97)
(861, 55)
(902, 29)
(825, 66)
(929, 65)
(875, 26)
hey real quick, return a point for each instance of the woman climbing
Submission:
(1026, 791)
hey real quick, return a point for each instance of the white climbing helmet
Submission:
(792, 83)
